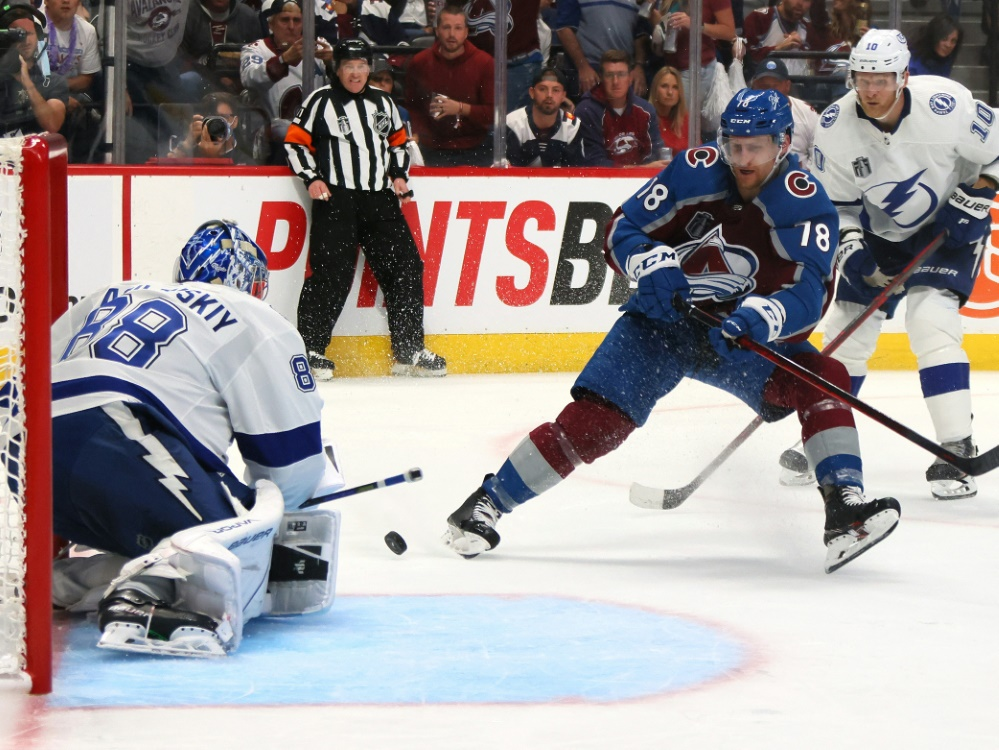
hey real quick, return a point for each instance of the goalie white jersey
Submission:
(216, 363)
(893, 183)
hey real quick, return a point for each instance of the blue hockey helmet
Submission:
(751, 113)
(219, 252)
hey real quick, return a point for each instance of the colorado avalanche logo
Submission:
(829, 115)
(623, 144)
(701, 155)
(906, 202)
(799, 185)
(942, 104)
(159, 18)
(382, 123)
(718, 270)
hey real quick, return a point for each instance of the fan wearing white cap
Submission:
(905, 160)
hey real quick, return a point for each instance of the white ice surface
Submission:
(896, 650)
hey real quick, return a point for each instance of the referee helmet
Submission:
(351, 49)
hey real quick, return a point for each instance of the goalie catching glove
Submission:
(966, 215)
(758, 318)
(660, 279)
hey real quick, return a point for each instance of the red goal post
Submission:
(33, 292)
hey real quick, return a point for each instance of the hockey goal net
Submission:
(32, 292)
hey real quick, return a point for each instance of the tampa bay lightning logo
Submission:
(941, 104)
(906, 202)
(716, 269)
(829, 115)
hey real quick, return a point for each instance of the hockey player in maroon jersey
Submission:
(739, 230)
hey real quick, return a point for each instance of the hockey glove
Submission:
(756, 318)
(966, 215)
(856, 262)
(660, 278)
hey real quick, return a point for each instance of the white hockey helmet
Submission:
(880, 51)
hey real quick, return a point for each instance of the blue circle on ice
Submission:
(416, 650)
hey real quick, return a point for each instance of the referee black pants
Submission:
(375, 222)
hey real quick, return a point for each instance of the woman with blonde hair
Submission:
(666, 95)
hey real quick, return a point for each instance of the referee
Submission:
(348, 145)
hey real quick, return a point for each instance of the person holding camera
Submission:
(212, 134)
(32, 98)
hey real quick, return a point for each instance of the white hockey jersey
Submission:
(215, 362)
(279, 89)
(894, 183)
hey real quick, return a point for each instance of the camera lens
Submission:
(216, 127)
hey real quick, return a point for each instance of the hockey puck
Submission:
(395, 542)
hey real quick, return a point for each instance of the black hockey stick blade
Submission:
(973, 465)
(667, 499)
(413, 475)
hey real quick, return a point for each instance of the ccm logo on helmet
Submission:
(800, 185)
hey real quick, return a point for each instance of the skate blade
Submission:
(190, 642)
(846, 547)
(791, 478)
(400, 370)
(466, 545)
(953, 489)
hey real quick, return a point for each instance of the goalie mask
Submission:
(219, 252)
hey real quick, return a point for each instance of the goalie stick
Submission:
(413, 475)
(973, 465)
(668, 499)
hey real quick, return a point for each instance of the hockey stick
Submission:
(413, 475)
(973, 465)
(668, 499)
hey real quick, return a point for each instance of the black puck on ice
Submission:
(395, 542)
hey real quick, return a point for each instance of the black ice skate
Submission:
(322, 367)
(131, 620)
(794, 471)
(854, 524)
(471, 530)
(423, 364)
(948, 482)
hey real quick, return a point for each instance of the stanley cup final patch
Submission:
(861, 166)
(344, 123)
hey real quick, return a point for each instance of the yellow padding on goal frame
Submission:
(370, 356)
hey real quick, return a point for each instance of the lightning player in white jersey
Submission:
(151, 383)
(904, 159)
(737, 228)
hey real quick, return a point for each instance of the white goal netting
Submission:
(12, 433)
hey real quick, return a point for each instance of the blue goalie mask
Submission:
(219, 252)
(752, 113)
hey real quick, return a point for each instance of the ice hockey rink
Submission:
(595, 624)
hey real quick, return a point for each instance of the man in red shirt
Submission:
(449, 95)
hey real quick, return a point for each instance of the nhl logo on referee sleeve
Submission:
(861, 166)
(382, 123)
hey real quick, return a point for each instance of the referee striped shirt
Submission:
(354, 141)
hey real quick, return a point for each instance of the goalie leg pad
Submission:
(78, 583)
(304, 563)
(219, 569)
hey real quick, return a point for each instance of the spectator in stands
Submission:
(619, 128)
(212, 132)
(449, 94)
(542, 134)
(272, 68)
(717, 25)
(780, 28)
(772, 74)
(843, 24)
(74, 54)
(936, 47)
(31, 99)
(391, 22)
(212, 22)
(666, 95)
(588, 29)
(524, 59)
